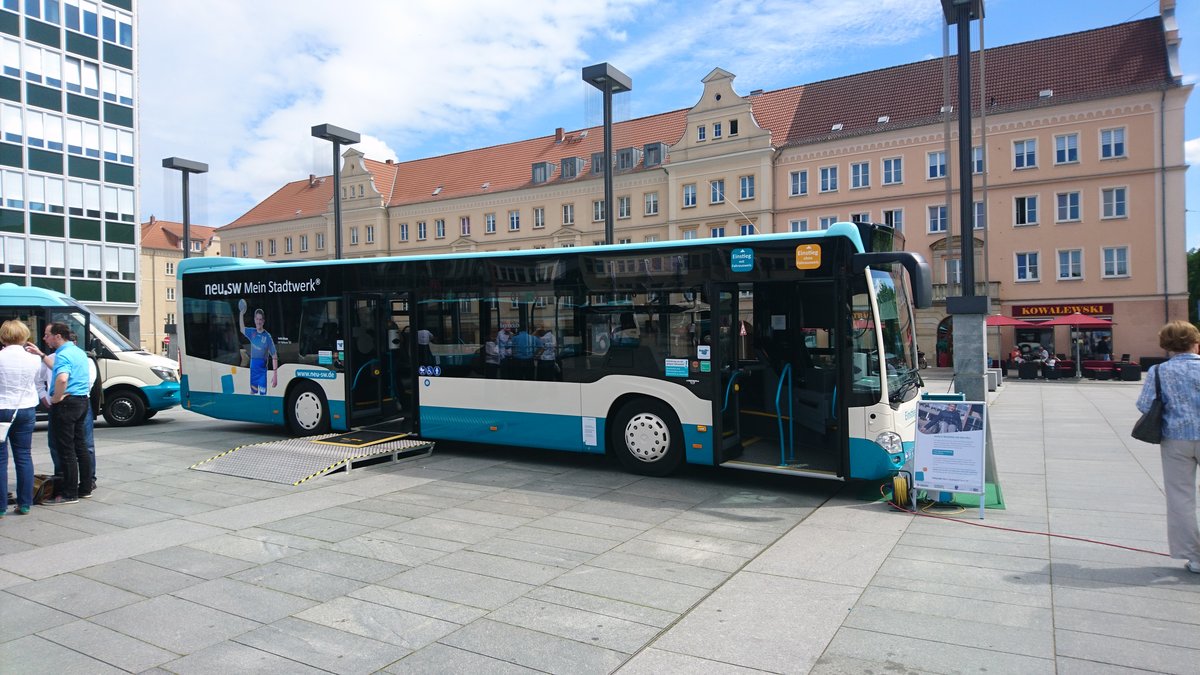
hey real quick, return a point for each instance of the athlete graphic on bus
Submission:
(261, 346)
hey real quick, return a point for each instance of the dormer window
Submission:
(541, 172)
(571, 166)
(598, 163)
(653, 153)
(627, 158)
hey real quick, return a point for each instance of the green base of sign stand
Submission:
(993, 496)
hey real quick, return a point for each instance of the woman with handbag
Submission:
(18, 408)
(1177, 383)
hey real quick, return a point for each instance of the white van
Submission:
(135, 383)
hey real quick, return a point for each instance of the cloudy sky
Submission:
(239, 85)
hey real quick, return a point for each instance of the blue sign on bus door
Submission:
(742, 260)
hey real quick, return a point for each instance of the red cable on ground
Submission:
(1013, 529)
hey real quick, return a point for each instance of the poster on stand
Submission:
(949, 453)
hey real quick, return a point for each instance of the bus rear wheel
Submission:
(307, 410)
(646, 438)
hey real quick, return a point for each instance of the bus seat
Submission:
(814, 398)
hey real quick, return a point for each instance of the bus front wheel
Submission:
(307, 410)
(646, 438)
(124, 408)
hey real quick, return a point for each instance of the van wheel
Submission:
(646, 438)
(123, 408)
(307, 410)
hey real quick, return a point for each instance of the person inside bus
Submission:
(424, 351)
(525, 347)
(628, 334)
(492, 357)
(261, 346)
(547, 359)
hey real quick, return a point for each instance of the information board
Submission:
(949, 453)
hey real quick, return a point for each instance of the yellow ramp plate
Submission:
(361, 438)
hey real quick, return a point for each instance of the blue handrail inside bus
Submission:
(354, 384)
(729, 387)
(786, 444)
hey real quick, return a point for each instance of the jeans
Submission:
(20, 440)
(68, 424)
(88, 433)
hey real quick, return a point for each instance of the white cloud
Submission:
(239, 84)
(1191, 151)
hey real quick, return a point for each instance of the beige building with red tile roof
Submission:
(1081, 205)
(162, 249)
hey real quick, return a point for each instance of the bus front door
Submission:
(720, 335)
(371, 362)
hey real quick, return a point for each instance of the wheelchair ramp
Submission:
(295, 460)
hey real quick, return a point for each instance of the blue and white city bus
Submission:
(790, 353)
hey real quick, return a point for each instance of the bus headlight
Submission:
(167, 374)
(890, 441)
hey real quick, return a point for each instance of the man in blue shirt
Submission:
(525, 347)
(69, 389)
(261, 346)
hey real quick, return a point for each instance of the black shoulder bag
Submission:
(1148, 428)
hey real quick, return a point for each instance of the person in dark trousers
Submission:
(1104, 349)
(68, 412)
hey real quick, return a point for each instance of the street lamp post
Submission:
(609, 80)
(339, 137)
(186, 167)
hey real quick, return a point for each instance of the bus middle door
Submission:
(721, 336)
(366, 351)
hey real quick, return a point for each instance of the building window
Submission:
(716, 130)
(953, 271)
(197, 246)
(439, 228)
(287, 244)
(304, 243)
(1067, 207)
(598, 163)
(716, 191)
(893, 171)
(1026, 211)
(541, 172)
(798, 225)
(258, 249)
(514, 221)
(689, 195)
(977, 159)
(171, 293)
(860, 175)
(568, 214)
(1025, 154)
(597, 210)
(863, 217)
(747, 229)
(569, 168)
(733, 127)
(827, 222)
(1112, 143)
(422, 230)
(1027, 266)
(689, 233)
(624, 207)
(171, 268)
(651, 203)
(980, 216)
(403, 231)
(895, 218)
(625, 240)
(320, 241)
(271, 249)
(829, 179)
(717, 232)
(747, 187)
(1113, 203)
(1116, 261)
(701, 132)
(1066, 149)
(936, 164)
(170, 318)
(937, 219)
(353, 235)
(489, 223)
(370, 234)
(1070, 264)
(799, 183)
(244, 252)
(539, 217)
(464, 226)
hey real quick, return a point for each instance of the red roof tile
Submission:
(168, 236)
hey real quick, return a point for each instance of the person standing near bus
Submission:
(18, 405)
(45, 383)
(547, 360)
(68, 412)
(261, 346)
(492, 357)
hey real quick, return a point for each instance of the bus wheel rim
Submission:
(647, 437)
(308, 410)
